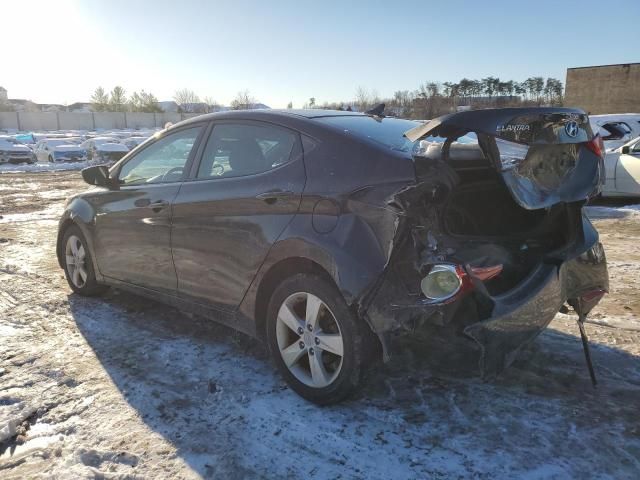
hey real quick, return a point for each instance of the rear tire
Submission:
(319, 346)
(78, 264)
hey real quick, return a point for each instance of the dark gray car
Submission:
(329, 233)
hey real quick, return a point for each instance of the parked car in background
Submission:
(60, 150)
(91, 144)
(26, 138)
(330, 233)
(622, 167)
(616, 129)
(133, 142)
(108, 153)
(12, 151)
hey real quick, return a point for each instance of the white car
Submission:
(622, 168)
(12, 151)
(108, 153)
(91, 145)
(616, 129)
(60, 150)
(133, 142)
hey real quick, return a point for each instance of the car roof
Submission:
(264, 114)
(63, 139)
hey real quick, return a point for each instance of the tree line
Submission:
(117, 101)
(432, 99)
(429, 100)
(186, 99)
(189, 102)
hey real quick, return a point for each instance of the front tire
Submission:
(319, 346)
(78, 264)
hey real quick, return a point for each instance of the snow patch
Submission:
(42, 167)
(52, 212)
(593, 211)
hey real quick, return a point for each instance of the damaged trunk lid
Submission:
(544, 155)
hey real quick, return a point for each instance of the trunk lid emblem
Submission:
(572, 129)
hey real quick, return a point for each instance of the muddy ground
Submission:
(119, 387)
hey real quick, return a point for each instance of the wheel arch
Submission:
(276, 274)
(78, 214)
(62, 228)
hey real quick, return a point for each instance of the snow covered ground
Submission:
(120, 387)
(41, 167)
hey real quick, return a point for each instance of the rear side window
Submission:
(387, 132)
(236, 150)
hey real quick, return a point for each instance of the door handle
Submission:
(158, 205)
(273, 196)
(155, 206)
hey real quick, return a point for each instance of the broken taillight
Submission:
(442, 282)
(486, 273)
(596, 145)
(594, 294)
(446, 282)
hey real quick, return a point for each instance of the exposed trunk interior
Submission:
(491, 228)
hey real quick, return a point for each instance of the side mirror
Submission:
(98, 175)
(626, 150)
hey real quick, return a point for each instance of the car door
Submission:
(628, 171)
(132, 223)
(244, 191)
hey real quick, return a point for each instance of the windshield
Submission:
(5, 143)
(384, 131)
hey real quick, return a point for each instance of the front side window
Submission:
(161, 162)
(235, 150)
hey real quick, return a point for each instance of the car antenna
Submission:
(579, 308)
(377, 111)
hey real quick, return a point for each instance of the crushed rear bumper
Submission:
(520, 315)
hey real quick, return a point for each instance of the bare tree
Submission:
(211, 104)
(290, 105)
(363, 98)
(185, 96)
(243, 101)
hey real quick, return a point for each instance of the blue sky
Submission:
(285, 51)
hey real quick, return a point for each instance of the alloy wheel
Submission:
(75, 255)
(309, 339)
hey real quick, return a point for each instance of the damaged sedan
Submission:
(329, 234)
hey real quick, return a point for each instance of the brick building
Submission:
(604, 89)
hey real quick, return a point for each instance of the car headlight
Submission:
(441, 283)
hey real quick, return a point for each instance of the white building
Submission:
(168, 106)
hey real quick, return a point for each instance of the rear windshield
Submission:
(383, 131)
